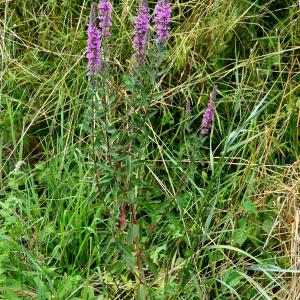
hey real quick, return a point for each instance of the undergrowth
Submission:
(217, 217)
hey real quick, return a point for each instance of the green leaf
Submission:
(149, 262)
(240, 234)
(128, 165)
(127, 255)
(133, 233)
(267, 224)
(232, 278)
(142, 292)
(248, 206)
(88, 293)
(11, 295)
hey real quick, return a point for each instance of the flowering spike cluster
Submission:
(209, 114)
(162, 18)
(141, 31)
(105, 19)
(93, 44)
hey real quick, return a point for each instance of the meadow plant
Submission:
(105, 18)
(93, 44)
(125, 158)
(141, 32)
(209, 114)
(96, 42)
(162, 20)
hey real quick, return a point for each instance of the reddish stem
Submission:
(123, 216)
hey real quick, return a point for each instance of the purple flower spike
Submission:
(141, 31)
(162, 18)
(209, 114)
(93, 44)
(105, 19)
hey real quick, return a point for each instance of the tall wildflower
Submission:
(105, 19)
(162, 18)
(93, 44)
(209, 114)
(141, 31)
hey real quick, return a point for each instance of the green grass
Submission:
(218, 218)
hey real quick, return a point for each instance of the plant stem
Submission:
(93, 138)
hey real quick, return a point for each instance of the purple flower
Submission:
(93, 44)
(209, 114)
(162, 18)
(105, 19)
(141, 31)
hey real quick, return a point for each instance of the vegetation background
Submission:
(216, 221)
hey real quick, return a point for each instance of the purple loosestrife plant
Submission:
(209, 114)
(141, 32)
(162, 18)
(93, 44)
(105, 18)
